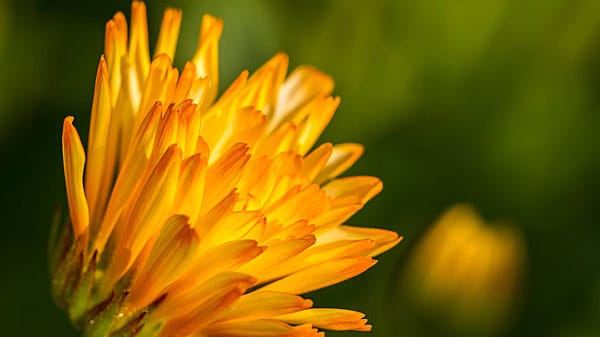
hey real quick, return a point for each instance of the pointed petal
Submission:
(342, 157)
(318, 114)
(146, 211)
(385, 239)
(191, 187)
(320, 276)
(169, 31)
(281, 140)
(201, 316)
(363, 188)
(315, 161)
(172, 254)
(223, 175)
(330, 319)
(304, 205)
(153, 201)
(115, 47)
(209, 223)
(264, 304)
(262, 87)
(101, 149)
(139, 52)
(227, 256)
(156, 86)
(73, 161)
(131, 173)
(303, 85)
(320, 253)
(203, 296)
(206, 58)
(260, 328)
(184, 83)
(265, 267)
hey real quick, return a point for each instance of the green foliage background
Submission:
(495, 103)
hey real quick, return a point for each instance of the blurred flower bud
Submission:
(463, 275)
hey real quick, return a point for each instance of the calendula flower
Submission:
(197, 216)
(465, 273)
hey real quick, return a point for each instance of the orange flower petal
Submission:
(302, 85)
(320, 276)
(265, 304)
(260, 328)
(172, 254)
(139, 52)
(330, 319)
(342, 157)
(206, 58)
(169, 31)
(73, 161)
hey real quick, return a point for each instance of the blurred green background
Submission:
(495, 103)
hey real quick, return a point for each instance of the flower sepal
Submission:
(73, 278)
(112, 318)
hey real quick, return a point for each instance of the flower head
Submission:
(197, 216)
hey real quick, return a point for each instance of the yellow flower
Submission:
(203, 217)
(467, 272)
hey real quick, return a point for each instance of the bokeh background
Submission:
(494, 103)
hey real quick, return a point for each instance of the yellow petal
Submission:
(342, 248)
(208, 225)
(192, 121)
(73, 161)
(288, 180)
(145, 213)
(155, 86)
(265, 304)
(167, 133)
(244, 125)
(139, 52)
(316, 160)
(260, 328)
(266, 266)
(101, 149)
(232, 92)
(257, 179)
(185, 82)
(304, 205)
(342, 157)
(195, 320)
(223, 175)
(385, 239)
(206, 58)
(363, 188)
(340, 210)
(238, 225)
(204, 297)
(130, 174)
(262, 87)
(320, 253)
(281, 140)
(191, 187)
(227, 256)
(330, 319)
(303, 85)
(169, 31)
(172, 254)
(115, 47)
(276, 232)
(319, 113)
(320, 276)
